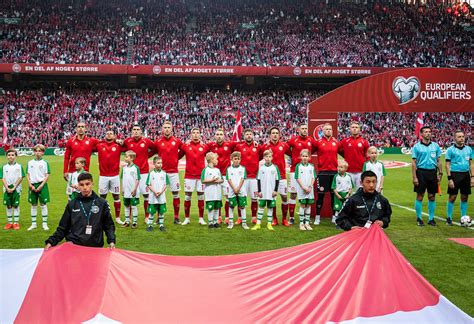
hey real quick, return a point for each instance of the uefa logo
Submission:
(318, 132)
(296, 71)
(406, 90)
(16, 68)
(156, 69)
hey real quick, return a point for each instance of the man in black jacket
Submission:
(365, 207)
(85, 219)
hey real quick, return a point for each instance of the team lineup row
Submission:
(170, 149)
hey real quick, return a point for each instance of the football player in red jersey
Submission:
(251, 155)
(354, 150)
(168, 148)
(296, 145)
(143, 148)
(195, 152)
(328, 147)
(109, 152)
(223, 149)
(78, 146)
(279, 149)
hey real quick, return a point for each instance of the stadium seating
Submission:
(233, 33)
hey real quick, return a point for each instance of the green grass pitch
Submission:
(447, 265)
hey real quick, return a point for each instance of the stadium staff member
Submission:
(460, 173)
(366, 207)
(85, 219)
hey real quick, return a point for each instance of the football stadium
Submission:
(295, 161)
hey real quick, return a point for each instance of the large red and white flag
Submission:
(237, 134)
(419, 123)
(354, 277)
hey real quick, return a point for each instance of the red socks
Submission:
(187, 208)
(176, 202)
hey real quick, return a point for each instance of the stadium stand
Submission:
(34, 116)
(233, 33)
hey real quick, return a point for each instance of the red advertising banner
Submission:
(185, 71)
(311, 71)
(197, 70)
(63, 69)
(406, 90)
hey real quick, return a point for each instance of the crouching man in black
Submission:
(85, 219)
(365, 207)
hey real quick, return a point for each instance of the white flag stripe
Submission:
(443, 312)
(16, 270)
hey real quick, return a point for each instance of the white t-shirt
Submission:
(130, 175)
(378, 168)
(306, 174)
(157, 180)
(268, 175)
(342, 183)
(11, 173)
(236, 174)
(212, 192)
(73, 182)
(37, 170)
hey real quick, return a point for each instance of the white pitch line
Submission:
(426, 214)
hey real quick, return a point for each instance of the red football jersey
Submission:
(223, 151)
(109, 158)
(251, 155)
(78, 148)
(195, 157)
(141, 147)
(279, 149)
(355, 152)
(296, 145)
(168, 149)
(327, 153)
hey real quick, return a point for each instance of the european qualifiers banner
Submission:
(191, 71)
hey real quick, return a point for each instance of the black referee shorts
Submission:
(462, 182)
(427, 181)
(325, 181)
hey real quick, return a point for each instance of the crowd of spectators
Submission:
(398, 129)
(49, 116)
(234, 33)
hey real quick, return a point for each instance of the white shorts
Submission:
(356, 179)
(109, 184)
(283, 187)
(251, 187)
(225, 187)
(143, 187)
(191, 184)
(69, 189)
(293, 183)
(174, 182)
